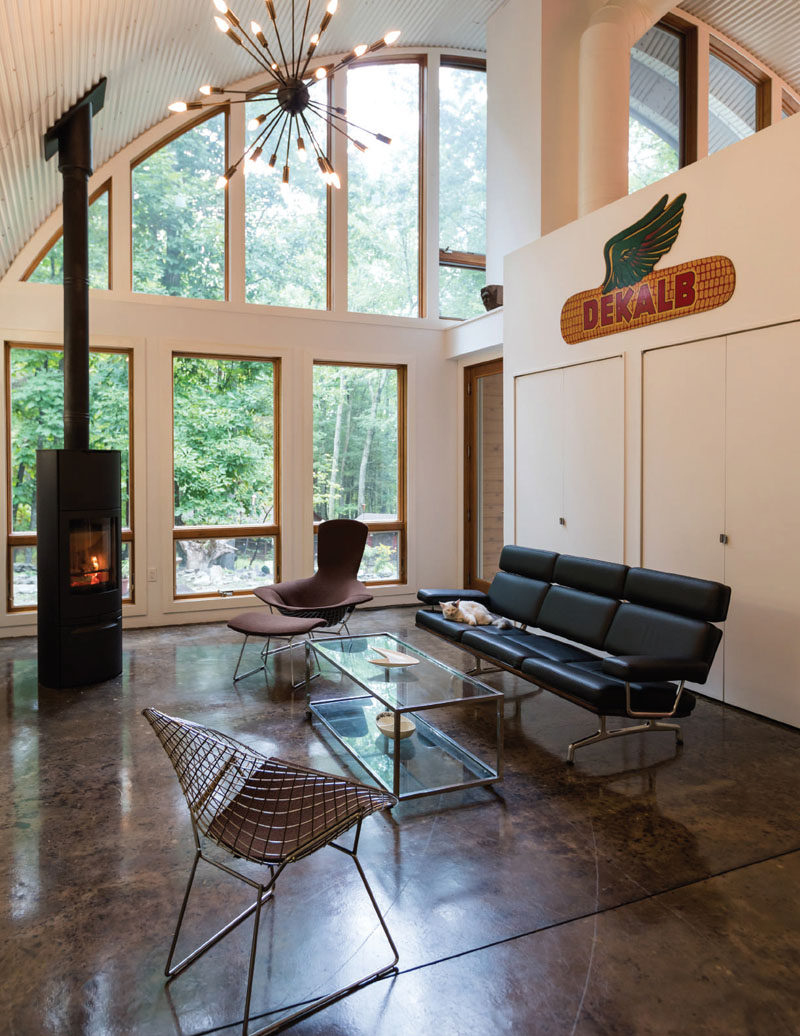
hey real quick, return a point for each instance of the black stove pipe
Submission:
(75, 164)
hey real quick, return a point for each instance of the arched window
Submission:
(49, 268)
(462, 188)
(383, 222)
(178, 215)
(693, 93)
(286, 228)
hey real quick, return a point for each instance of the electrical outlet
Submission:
(152, 575)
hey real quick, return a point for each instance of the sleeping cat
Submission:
(473, 613)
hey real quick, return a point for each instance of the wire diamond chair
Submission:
(267, 811)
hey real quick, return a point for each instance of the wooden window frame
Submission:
(400, 524)
(105, 187)
(219, 532)
(30, 539)
(448, 257)
(187, 127)
(472, 375)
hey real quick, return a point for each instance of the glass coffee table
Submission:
(424, 760)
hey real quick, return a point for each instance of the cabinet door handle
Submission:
(562, 521)
(723, 537)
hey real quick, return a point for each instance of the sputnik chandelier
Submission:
(288, 97)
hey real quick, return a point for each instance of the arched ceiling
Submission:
(152, 51)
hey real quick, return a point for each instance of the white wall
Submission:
(155, 326)
(514, 63)
(739, 204)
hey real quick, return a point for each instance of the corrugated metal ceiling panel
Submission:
(768, 29)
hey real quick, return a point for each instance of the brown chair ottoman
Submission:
(261, 623)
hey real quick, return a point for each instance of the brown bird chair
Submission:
(334, 590)
(267, 811)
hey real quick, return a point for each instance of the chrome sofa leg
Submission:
(603, 734)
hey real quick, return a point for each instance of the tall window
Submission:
(655, 121)
(178, 244)
(462, 190)
(732, 105)
(383, 190)
(35, 392)
(50, 268)
(224, 474)
(359, 459)
(286, 230)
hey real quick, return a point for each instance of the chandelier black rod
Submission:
(302, 37)
(330, 113)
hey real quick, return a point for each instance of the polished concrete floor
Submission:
(645, 890)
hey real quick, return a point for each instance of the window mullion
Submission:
(338, 204)
(430, 194)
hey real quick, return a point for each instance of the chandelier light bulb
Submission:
(221, 6)
(222, 25)
(334, 180)
(362, 48)
(391, 37)
(255, 28)
(321, 72)
(314, 39)
(178, 106)
(274, 65)
(256, 155)
(301, 149)
(332, 5)
(206, 89)
(255, 122)
(222, 181)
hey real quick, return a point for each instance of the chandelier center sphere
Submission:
(293, 97)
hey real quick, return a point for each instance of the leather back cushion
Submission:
(637, 630)
(596, 577)
(524, 561)
(577, 615)
(517, 597)
(699, 598)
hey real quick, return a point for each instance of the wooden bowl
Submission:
(385, 721)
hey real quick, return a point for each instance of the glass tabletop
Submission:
(422, 685)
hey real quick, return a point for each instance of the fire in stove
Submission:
(90, 548)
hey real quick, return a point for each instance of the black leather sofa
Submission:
(632, 636)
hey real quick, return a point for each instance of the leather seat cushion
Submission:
(585, 681)
(512, 646)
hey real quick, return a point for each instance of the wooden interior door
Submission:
(483, 474)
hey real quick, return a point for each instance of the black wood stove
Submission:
(78, 502)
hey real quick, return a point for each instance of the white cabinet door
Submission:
(683, 467)
(762, 562)
(569, 459)
(594, 459)
(539, 459)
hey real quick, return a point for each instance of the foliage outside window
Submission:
(359, 418)
(224, 474)
(656, 104)
(50, 269)
(178, 215)
(462, 190)
(286, 230)
(36, 395)
(383, 191)
(732, 105)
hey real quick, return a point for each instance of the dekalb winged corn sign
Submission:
(633, 294)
